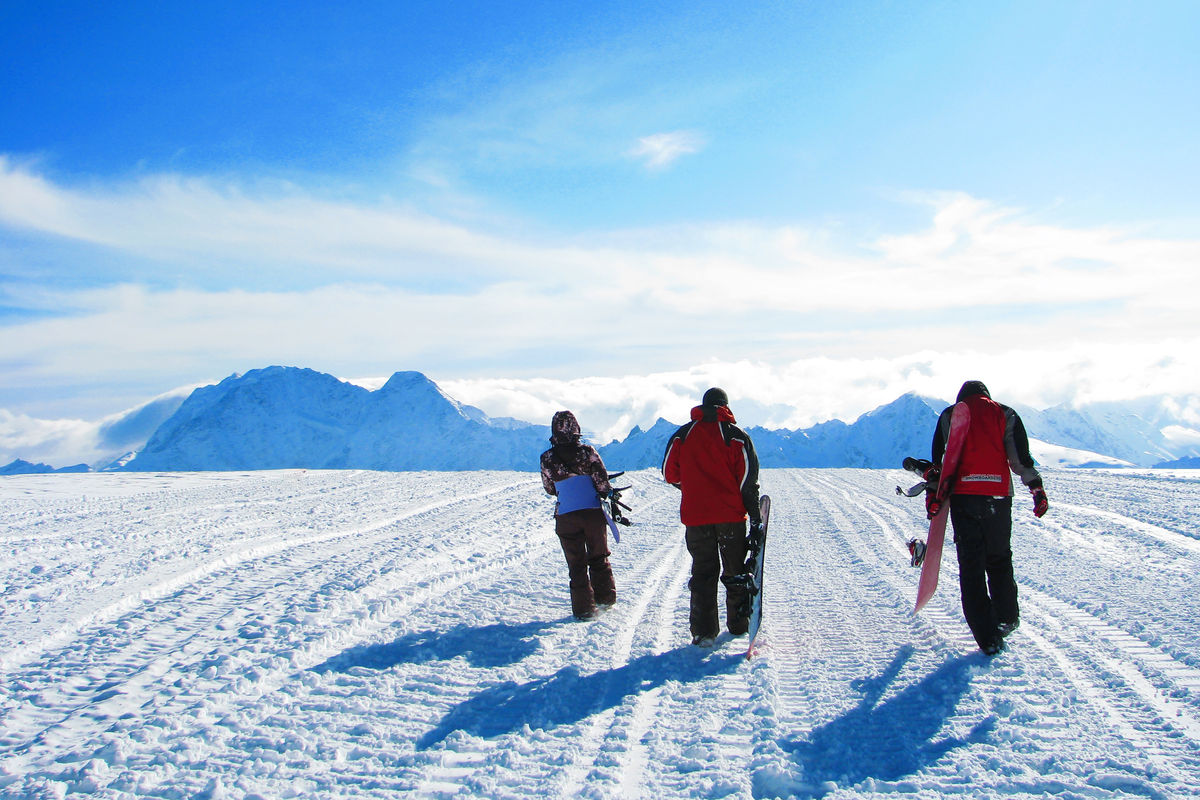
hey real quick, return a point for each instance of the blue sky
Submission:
(835, 201)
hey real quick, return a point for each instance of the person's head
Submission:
(972, 388)
(715, 397)
(564, 428)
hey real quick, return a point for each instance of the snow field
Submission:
(362, 634)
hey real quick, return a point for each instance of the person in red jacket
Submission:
(712, 461)
(574, 473)
(981, 511)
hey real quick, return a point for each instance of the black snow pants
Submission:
(584, 538)
(982, 537)
(717, 550)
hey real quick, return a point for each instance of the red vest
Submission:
(984, 468)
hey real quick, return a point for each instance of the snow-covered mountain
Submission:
(881, 438)
(22, 467)
(1149, 432)
(283, 417)
(1146, 432)
(640, 449)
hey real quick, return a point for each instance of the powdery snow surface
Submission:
(359, 634)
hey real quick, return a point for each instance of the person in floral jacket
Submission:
(574, 473)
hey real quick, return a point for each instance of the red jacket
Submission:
(713, 462)
(996, 446)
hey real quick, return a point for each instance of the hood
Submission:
(564, 428)
(713, 414)
(972, 388)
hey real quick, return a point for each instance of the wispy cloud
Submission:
(660, 150)
(359, 289)
(971, 254)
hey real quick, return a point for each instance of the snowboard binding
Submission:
(755, 538)
(613, 502)
(929, 472)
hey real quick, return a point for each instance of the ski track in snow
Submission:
(358, 634)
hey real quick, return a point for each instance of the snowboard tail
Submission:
(756, 550)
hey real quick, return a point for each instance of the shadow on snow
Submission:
(487, 646)
(567, 696)
(891, 739)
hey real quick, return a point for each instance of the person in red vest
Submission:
(574, 473)
(712, 461)
(981, 511)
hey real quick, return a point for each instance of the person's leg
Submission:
(706, 567)
(596, 541)
(731, 541)
(1002, 584)
(571, 536)
(970, 543)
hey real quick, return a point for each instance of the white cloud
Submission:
(806, 329)
(806, 391)
(972, 254)
(1179, 436)
(67, 442)
(661, 150)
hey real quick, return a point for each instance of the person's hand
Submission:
(932, 505)
(1040, 502)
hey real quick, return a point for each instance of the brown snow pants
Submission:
(717, 550)
(584, 538)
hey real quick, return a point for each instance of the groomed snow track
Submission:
(357, 634)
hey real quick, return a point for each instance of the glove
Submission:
(932, 505)
(754, 538)
(1040, 503)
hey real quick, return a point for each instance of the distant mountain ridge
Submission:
(290, 417)
(287, 417)
(22, 467)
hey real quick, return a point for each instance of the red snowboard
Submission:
(960, 420)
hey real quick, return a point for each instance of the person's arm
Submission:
(595, 467)
(938, 447)
(670, 466)
(1016, 445)
(547, 481)
(749, 487)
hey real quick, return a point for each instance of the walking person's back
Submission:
(713, 463)
(575, 474)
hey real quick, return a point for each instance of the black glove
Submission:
(1040, 502)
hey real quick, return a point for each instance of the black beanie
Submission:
(715, 397)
